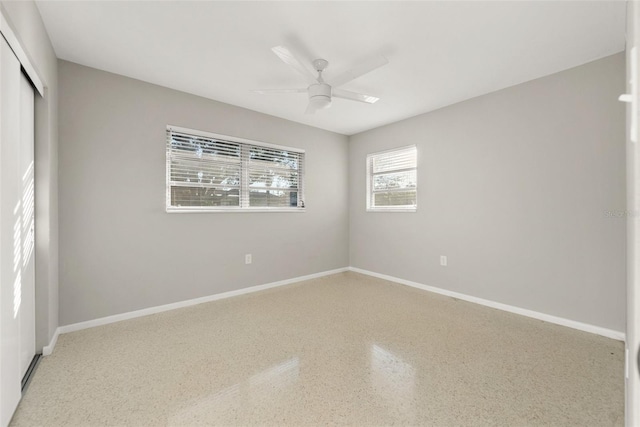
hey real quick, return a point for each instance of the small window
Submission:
(392, 180)
(216, 173)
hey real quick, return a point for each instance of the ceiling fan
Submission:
(321, 92)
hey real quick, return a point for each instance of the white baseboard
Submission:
(158, 309)
(48, 349)
(609, 333)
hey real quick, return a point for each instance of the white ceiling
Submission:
(439, 52)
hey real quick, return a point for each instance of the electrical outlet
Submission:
(247, 259)
(443, 260)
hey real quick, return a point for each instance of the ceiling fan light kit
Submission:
(320, 95)
(320, 92)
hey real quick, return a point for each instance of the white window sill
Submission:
(234, 210)
(392, 210)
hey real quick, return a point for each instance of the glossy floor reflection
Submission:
(343, 349)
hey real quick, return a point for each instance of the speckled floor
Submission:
(343, 349)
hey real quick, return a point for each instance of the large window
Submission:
(392, 180)
(217, 173)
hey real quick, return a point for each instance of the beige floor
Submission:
(343, 349)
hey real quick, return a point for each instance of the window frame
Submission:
(244, 171)
(369, 179)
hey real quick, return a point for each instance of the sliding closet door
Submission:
(28, 276)
(10, 233)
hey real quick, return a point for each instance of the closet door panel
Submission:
(27, 305)
(10, 233)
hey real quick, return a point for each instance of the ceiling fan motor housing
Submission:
(320, 95)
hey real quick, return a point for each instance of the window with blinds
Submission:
(392, 180)
(209, 172)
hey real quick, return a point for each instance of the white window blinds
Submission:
(209, 172)
(392, 180)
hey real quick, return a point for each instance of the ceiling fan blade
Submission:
(294, 61)
(270, 91)
(359, 70)
(347, 94)
(311, 109)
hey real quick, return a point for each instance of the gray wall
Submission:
(25, 20)
(523, 189)
(120, 251)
